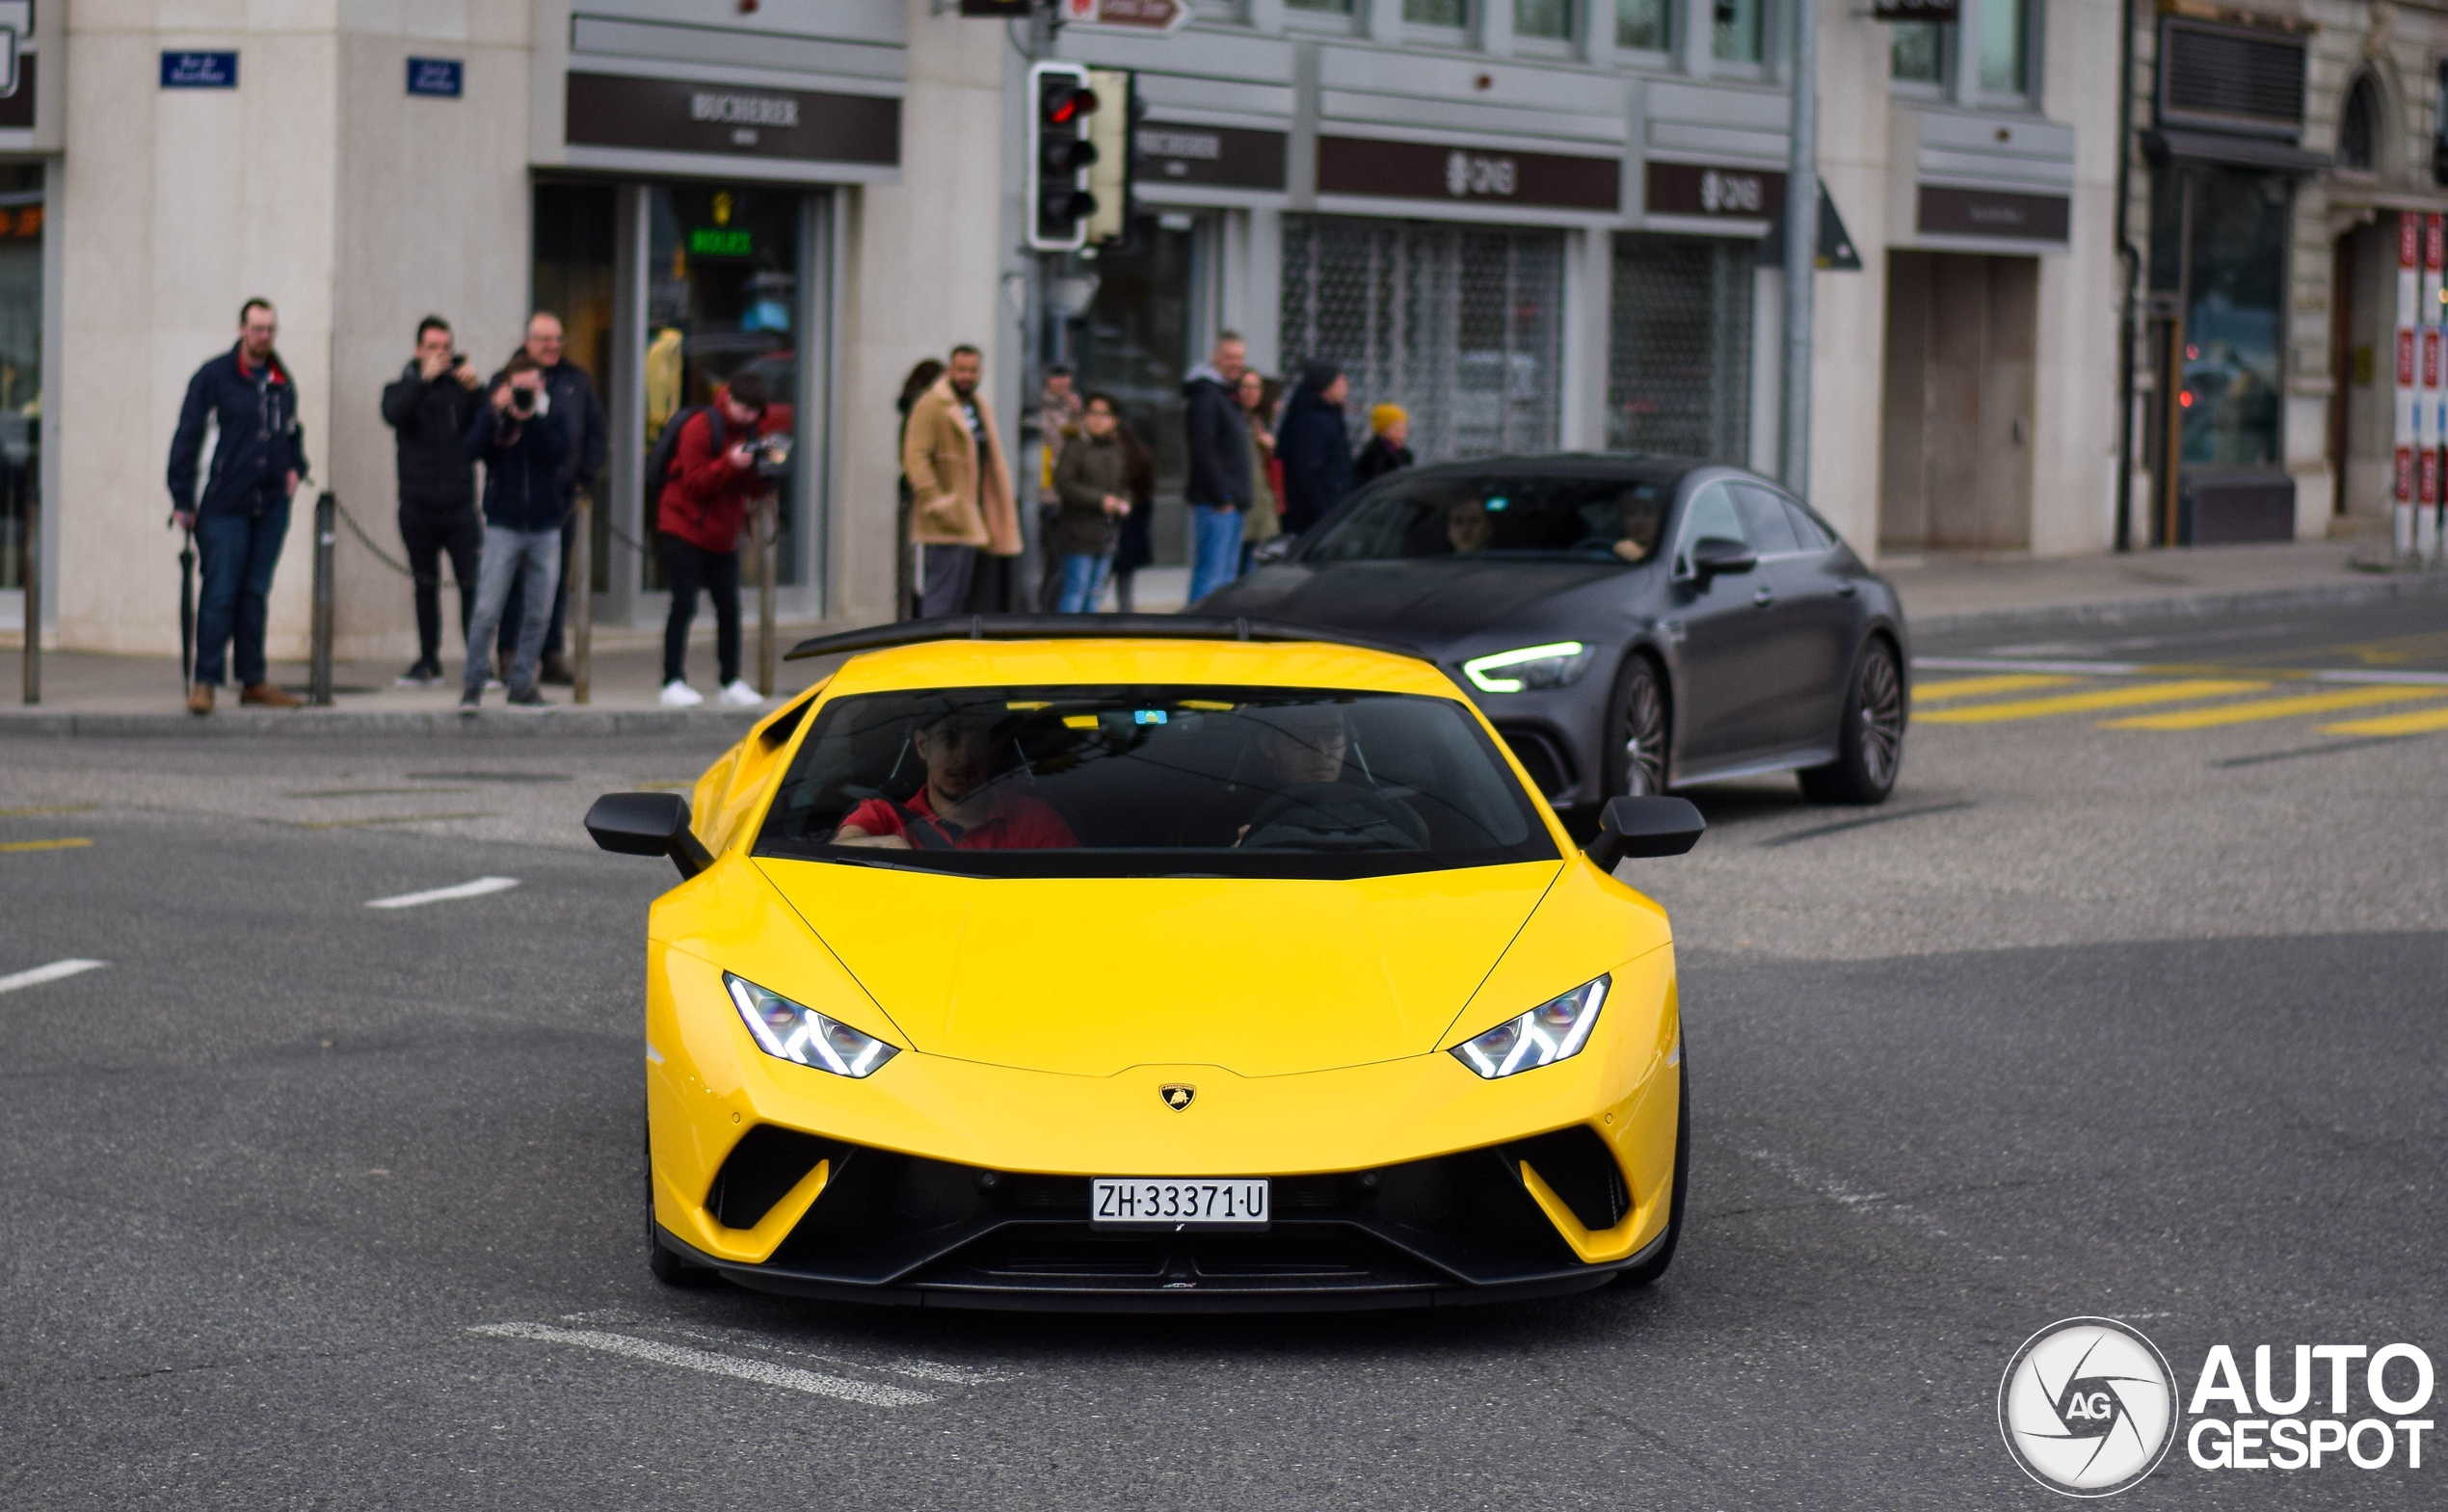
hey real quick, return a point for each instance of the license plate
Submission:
(1142, 1202)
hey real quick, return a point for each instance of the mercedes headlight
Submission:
(795, 1032)
(1551, 1031)
(1559, 665)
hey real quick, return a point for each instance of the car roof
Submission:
(1639, 466)
(1123, 660)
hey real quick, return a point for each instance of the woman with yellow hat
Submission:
(1389, 446)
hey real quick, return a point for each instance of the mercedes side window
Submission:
(1710, 517)
(1764, 520)
(1808, 529)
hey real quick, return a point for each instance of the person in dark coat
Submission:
(569, 395)
(905, 593)
(1091, 490)
(522, 448)
(429, 410)
(1217, 489)
(1389, 447)
(1134, 544)
(246, 396)
(1314, 449)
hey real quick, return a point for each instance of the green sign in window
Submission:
(719, 241)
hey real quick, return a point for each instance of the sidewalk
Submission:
(86, 693)
(1943, 595)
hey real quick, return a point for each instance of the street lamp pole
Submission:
(1801, 253)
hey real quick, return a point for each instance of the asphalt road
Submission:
(2132, 1021)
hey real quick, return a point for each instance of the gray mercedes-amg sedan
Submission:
(1630, 624)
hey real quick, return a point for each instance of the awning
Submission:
(2232, 150)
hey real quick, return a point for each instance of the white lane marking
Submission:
(49, 974)
(919, 1369)
(2136, 669)
(1844, 1194)
(477, 888)
(788, 1377)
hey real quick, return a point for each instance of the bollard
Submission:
(30, 556)
(764, 532)
(581, 569)
(319, 673)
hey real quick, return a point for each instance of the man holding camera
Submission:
(714, 477)
(569, 396)
(248, 398)
(523, 449)
(429, 408)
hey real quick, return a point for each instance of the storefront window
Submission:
(1917, 51)
(1549, 19)
(1742, 31)
(1437, 13)
(2218, 241)
(1679, 348)
(1644, 25)
(21, 215)
(2005, 27)
(721, 299)
(1460, 325)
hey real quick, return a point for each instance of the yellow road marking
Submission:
(77, 844)
(2275, 708)
(2083, 703)
(28, 813)
(1978, 687)
(2410, 724)
(403, 818)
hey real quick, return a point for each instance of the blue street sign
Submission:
(199, 70)
(437, 76)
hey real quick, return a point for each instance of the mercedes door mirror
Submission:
(1643, 826)
(648, 824)
(1715, 554)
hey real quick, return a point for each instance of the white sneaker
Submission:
(739, 694)
(679, 695)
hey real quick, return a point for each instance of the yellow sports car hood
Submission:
(1090, 976)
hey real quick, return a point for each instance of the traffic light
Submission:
(1109, 132)
(1059, 155)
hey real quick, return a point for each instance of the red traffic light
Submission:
(1065, 106)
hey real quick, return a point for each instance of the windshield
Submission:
(1151, 780)
(1601, 518)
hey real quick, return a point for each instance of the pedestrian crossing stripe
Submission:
(2417, 722)
(1982, 687)
(2084, 703)
(2275, 708)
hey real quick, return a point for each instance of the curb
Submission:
(321, 724)
(2376, 590)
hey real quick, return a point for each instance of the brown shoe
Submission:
(265, 695)
(199, 699)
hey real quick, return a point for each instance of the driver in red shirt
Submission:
(957, 809)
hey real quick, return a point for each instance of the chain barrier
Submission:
(367, 542)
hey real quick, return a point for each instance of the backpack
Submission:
(666, 451)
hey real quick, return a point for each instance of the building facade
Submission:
(1537, 224)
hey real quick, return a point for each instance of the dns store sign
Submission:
(1474, 176)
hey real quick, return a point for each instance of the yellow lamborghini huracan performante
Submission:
(1155, 964)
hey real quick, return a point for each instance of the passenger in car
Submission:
(957, 808)
(1308, 806)
(1467, 526)
(1638, 519)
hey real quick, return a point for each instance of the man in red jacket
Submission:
(713, 480)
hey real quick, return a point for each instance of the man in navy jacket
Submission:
(247, 395)
(522, 447)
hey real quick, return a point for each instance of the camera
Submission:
(522, 401)
(773, 454)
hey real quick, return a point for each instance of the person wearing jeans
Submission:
(1092, 486)
(248, 400)
(700, 514)
(521, 449)
(1217, 432)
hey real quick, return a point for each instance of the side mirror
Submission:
(1629, 827)
(1715, 554)
(648, 824)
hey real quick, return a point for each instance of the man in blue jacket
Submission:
(1216, 429)
(523, 449)
(248, 397)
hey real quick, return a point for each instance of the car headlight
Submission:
(1559, 665)
(1551, 1031)
(794, 1033)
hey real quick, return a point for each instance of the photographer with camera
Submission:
(429, 408)
(719, 466)
(522, 450)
